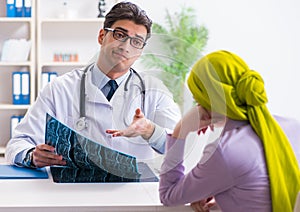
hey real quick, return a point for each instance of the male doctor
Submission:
(141, 104)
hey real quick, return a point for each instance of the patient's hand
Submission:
(196, 119)
(203, 205)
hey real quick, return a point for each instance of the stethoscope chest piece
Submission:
(80, 124)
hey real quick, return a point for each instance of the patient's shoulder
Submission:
(287, 122)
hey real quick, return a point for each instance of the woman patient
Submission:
(253, 165)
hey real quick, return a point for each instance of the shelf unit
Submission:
(76, 36)
(66, 27)
(15, 28)
(56, 26)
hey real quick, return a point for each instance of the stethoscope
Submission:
(81, 122)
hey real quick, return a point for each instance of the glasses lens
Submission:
(119, 35)
(137, 43)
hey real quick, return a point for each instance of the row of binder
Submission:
(14, 120)
(21, 92)
(47, 77)
(18, 8)
(21, 88)
(21, 85)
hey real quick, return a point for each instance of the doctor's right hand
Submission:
(140, 126)
(44, 155)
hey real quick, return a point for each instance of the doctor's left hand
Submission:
(140, 126)
(44, 155)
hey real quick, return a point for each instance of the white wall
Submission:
(263, 33)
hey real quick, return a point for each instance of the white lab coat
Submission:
(60, 98)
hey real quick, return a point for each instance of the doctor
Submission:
(84, 99)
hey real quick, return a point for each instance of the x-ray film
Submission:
(86, 160)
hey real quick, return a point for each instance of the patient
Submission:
(253, 165)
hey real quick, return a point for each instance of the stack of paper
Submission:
(15, 50)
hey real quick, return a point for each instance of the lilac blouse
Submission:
(232, 169)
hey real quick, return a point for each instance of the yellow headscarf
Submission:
(223, 83)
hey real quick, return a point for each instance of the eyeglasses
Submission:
(123, 37)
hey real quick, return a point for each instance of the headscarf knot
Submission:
(250, 89)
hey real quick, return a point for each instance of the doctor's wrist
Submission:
(150, 130)
(28, 160)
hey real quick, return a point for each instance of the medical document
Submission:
(87, 161)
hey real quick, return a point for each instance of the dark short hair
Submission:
(128, 11)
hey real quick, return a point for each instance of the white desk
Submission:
(44, 195)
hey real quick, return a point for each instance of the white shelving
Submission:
(66, 27)
(76, 36)
(56, 26)
(14, 28)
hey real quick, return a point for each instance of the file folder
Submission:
(16, 50)
(14, 172)
(10, 8)
(16, 87)
(25, 94)
(27, 8)
(21, 88)
(19, 8)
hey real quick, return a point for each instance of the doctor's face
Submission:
(121, 45)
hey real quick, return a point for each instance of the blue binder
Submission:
(27, 8)
(25, 86)
(16, 87)
(14, 172)
(19, 8)
(10, 8)
(21, 88)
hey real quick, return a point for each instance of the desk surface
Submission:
(35, 195)
(45, 195)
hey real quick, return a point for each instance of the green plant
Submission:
(177, 46)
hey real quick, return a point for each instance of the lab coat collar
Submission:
(92, 92)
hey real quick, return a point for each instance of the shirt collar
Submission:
(232, 124)
(99, 79)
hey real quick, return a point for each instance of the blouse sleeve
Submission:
(206, 179)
